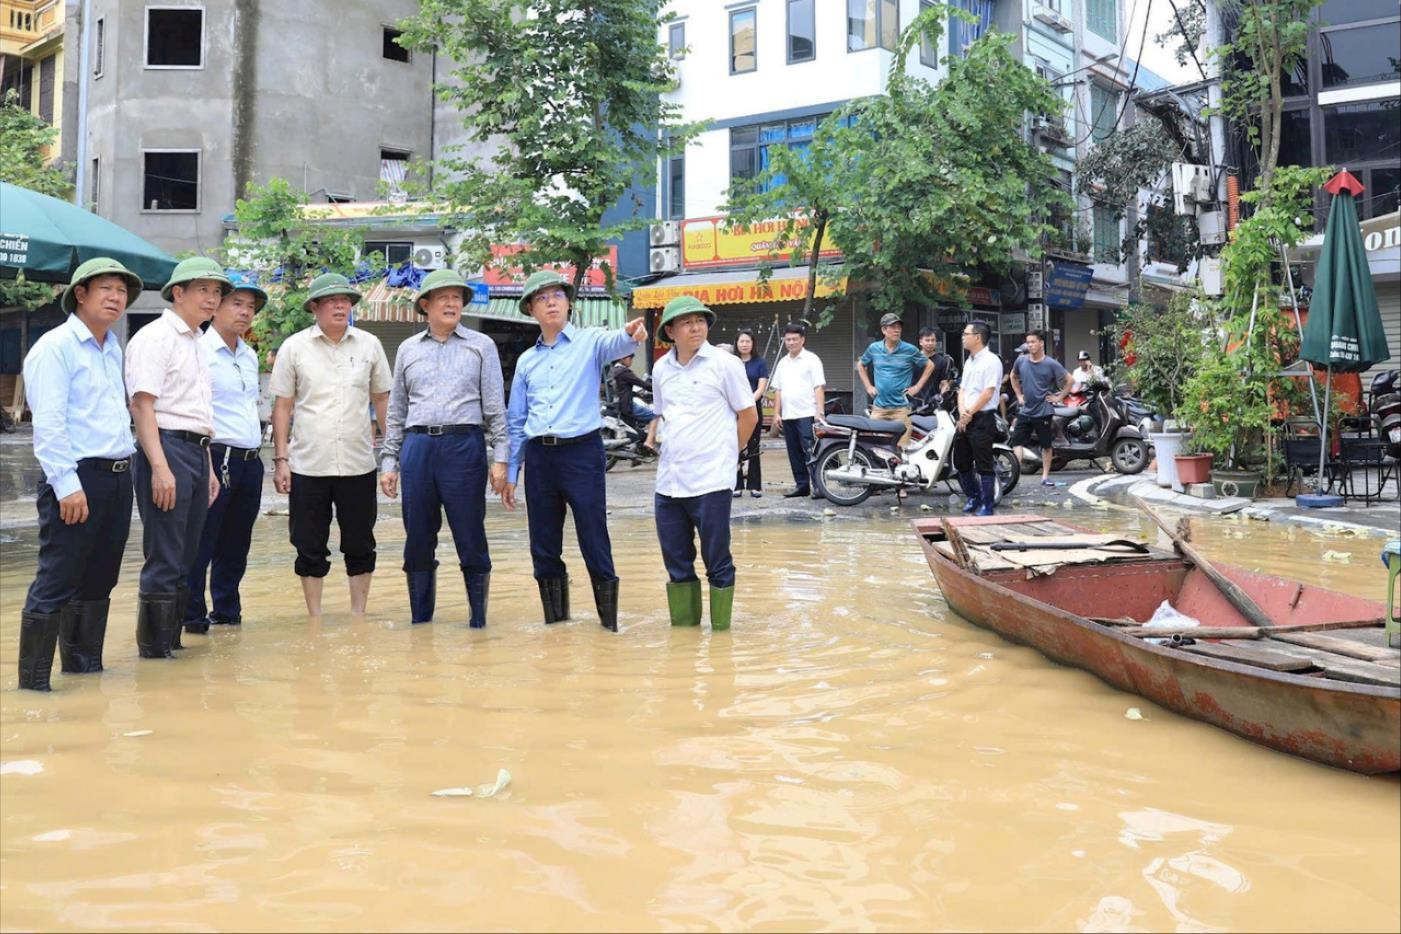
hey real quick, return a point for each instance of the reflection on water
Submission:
(850, 756)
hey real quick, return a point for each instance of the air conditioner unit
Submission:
(666, 233)
(665, 259)
(428, 257)
(1053, 131)
(1053, 19)
(1184, 176)
(1211, 227)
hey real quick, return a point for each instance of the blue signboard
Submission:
(481, 293)
(1066, 283)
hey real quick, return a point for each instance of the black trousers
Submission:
(755, 478)
(972, 447)
(310, 505)
(170, 538)
(224, 543)
(81, 561)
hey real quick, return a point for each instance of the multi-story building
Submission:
(33, 65)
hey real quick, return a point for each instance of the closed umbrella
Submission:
(47, 239)
(1344, 330)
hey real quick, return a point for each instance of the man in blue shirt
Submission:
(897, 371)
(82, 439)
(553, 423)
(235, 454)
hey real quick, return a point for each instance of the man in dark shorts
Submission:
(1035, 377)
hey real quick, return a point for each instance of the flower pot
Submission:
(1193, 468)
(1166, 444)
(1244, 483)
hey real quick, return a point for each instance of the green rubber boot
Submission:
(722, 602)
(683, 600)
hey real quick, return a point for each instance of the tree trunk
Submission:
(819, 227)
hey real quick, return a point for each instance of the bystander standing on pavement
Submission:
(238, 466)
(756, 369)
(799, 397)
(977, 421)
(706, 410)
(82, 440)
(328, 376)
(1040, 383)
(893, 370)
(167, 375)
(446, 434)
(945, 370)
(553, 421)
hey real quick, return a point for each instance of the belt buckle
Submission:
(435, 431)
(549, 441)
(121, 466)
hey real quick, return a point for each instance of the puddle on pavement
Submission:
(850, 756)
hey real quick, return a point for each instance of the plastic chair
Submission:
(1391, 558)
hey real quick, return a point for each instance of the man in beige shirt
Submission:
(329, 375)
(167, 377)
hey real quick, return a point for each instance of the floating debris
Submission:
(135, 733)
(503, 778)
(1133, 713)
(22, 767)
(1341, 557)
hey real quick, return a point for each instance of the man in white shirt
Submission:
(706, 411)
(798, 384)
(235, 453)
(1087, 372)
(977, 420)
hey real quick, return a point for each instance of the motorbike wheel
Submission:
(609, 462)
(842, 494)
(1008, 470)
(1129, 455)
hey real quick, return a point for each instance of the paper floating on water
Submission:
(1342, 557)
(1133, 713)
(138, 733)
(21, 767)
(503, 778)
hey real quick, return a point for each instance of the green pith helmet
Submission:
(440, 279)
(328, 284)
(244, 283)
(196, 267)
(100, 266)
(676, 308)
(542, 280)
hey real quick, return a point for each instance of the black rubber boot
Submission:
(988, 500)
(550, 598)
(70, 623)
(605, 598)
(156, 623)
(971, 489)
(92, 633)
(423, 595)
(182, 602)
(38, 634)
(478, 587)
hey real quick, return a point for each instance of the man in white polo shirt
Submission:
(706, 412)
(977, 420)
(799, 397)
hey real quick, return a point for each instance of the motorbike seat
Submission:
(871, 425)
(924, 422)
(1067, 411)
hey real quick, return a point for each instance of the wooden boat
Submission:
(1320, 682)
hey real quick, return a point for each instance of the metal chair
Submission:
(1359, 456)
(1301, 460)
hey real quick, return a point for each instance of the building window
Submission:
(1362, 55)
(391, 48)
(99, 46)
(961, 34)
(676, 187)
(96, 203)
(395, 252)
(170, 180)
(1357, 133)
(742, 48)
(1339, 12)
(1104, 112)
(46, 89)
(1106, 235)
(872, 23)
(928, 55)
(676, 41)
(750, 146)
(174, 37)
(802, 31)
(393, 168)
(17, 76)
(1384, 193)
(1102, 18)
(1295, 140)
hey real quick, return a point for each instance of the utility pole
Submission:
(1213, 38)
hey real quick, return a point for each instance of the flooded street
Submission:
(851, 756)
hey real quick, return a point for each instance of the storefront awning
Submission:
(383, 303)
(735, 288)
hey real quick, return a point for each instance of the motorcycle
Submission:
(624, 440)
(856, 456)
(1107, 425)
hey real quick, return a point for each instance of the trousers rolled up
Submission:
(223, 545)
(444, 474)
(680, 520)
(560, 477)
(310, 505)
(82, 561)
(170, 537)
(797, 435)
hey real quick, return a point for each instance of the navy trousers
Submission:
(567, 475)
(444, 474)
(170, 539)
(224, 543)
(81, 561)
(679, 520)
(797, 434)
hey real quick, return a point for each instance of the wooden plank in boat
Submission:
(1342, 646)
(1245, 652)
(1363, 673)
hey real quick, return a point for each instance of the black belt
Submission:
(554, 441)
(434, 431)
(193, 437)
(238, 454)
(106, 465)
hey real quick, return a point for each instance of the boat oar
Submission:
(1234, 595)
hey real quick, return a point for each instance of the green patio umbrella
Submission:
(47, 239)
(1344, 330)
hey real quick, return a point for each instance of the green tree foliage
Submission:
(568, 94)
(286, 250)
(1164, 345)
(23, 139)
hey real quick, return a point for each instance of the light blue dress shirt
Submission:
(234, 374)
(555, 389)
(77, 395)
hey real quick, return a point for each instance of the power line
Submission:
(1186, 40)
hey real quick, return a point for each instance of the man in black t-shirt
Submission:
(945, 370)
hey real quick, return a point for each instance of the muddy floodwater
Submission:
(852, 756)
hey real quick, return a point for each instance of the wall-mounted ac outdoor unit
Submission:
(665, 259)
(666, 233)
(1186, 187)
(428, 257)
(1053, 19)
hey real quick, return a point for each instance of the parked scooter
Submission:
(624, 439)
(1106, 425)
(856, 456)
(1386, 407)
